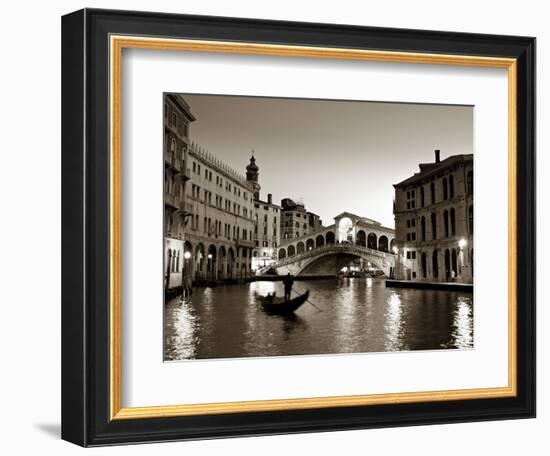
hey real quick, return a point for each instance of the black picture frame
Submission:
(85, 227)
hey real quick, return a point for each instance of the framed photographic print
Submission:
(271, 227)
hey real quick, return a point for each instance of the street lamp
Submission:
(395, 250)
(185, 281)
(462, 243)
(210, 266)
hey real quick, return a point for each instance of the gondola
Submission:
(279, 306)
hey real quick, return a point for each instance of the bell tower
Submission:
(252, 173)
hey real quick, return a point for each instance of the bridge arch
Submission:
(383, 243)
(343, 253)
(361, 238)
(310, 244)
(319, 241)
(300, 248)
(291, 250)
(282, 254)
(371, 241)
(329, 237)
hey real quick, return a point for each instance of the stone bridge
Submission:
(304, 263)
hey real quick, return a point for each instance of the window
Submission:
(451, 187)
(453, 222)
(174, 119)
(165, 109)
(446, 222)
(445, 189)
(423, 227)
(470, 182)
(422, 196)
(434, 227)
(432, 193)
(471, 219)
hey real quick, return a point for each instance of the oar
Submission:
(319, 309)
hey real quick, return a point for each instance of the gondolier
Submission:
(288, 281)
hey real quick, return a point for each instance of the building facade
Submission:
(434, 222)
(209, 210)
(177, 120)
(296, 221)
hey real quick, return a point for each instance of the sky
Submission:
(334, 156)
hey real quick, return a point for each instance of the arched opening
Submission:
(423, 228)
(432, 193)
(371, 241)
(471, 219)
(199, 259)
(447, 264)
(446, 222)
(211, 258)
(383, 244)
(361, 238)
(422, 199)
(423, 265)
(451, 187)
(291, 251)
(282, 254)
(300, 248)
(434, 226)
(445, 189)
(221, 262)
(345, 230)
(435, 265)
(392, 245)
(454, 263)
(319, 241)
(329, 237)
(230, 263)
(310, 244)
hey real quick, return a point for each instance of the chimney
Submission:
(269, 198)
(437, 155)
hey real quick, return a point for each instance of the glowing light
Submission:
(395, 250)
(187, 255)
(462, 243)
(209, 256)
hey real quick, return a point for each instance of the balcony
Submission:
(171, 200)
(243, 243)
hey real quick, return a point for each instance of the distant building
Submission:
(434, 222)
(296, 221)
(266, 218)
(209, 208)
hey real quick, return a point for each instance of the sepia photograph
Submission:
(316, 227)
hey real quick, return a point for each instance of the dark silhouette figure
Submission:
(288, 281)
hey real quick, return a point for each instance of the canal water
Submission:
(353, 315)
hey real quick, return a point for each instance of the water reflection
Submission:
(394, 324)
(350, 315)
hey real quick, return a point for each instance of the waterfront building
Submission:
(266, 221)
(209, 209)
(434, 222)
(177, 119)
(296, 221)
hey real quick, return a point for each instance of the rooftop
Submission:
(431, 169)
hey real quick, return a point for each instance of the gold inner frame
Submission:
(117, 44)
